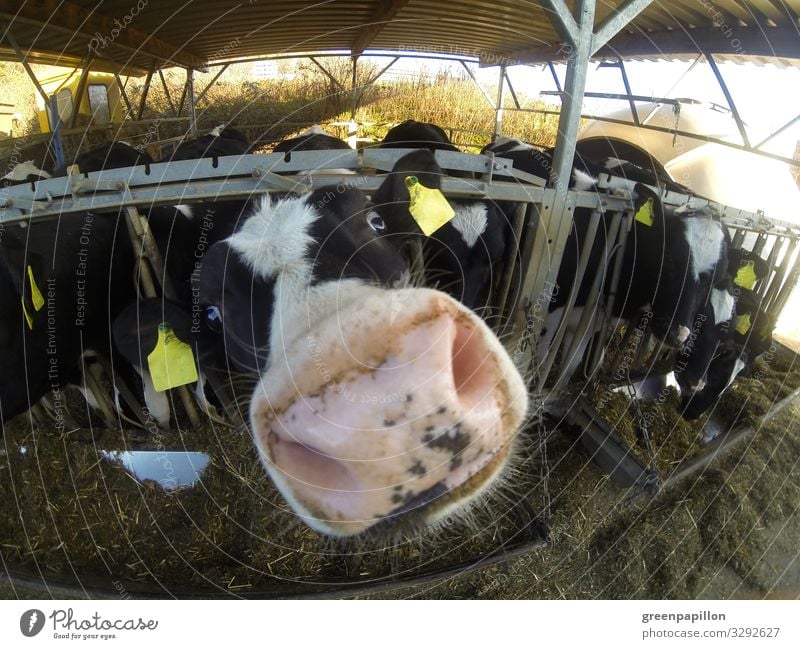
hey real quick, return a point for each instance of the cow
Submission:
(464, 255)
(376, 406)
(24, 172)
(59, 282)
(412, 134)
(585, 173)
(111, 155)
(313, 139)
(730, 332)
(220, 141)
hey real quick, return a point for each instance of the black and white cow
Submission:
(585, 172)
(24, 172)
(672, 259)
(730, 332)
(463, 257)
(374, 405)
(59, 281)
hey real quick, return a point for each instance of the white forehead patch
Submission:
(722, 302)
(186, 210)
(582, 180)
(275, 238)
(25, 169)
(314, 130)
(613, 163)
(705, 238)
(470, 220)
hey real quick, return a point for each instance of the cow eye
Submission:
(213, 318)
(376, 222)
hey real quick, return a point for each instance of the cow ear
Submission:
(648, 209)
(26, 270)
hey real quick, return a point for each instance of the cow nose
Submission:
(429, 416)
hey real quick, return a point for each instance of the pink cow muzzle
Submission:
(387, 413)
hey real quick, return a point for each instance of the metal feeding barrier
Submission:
(541, 222)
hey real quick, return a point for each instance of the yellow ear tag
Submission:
(36, 294)
(429, 207)
(746, 276)
(171, 362)
(743, 324)
(28, 318)
(645, 213)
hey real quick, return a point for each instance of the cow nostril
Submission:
(471, 366)
(307, 465)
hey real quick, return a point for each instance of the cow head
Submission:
(374, 405)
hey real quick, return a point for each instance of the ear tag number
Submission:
(645, 213)
(746, 276)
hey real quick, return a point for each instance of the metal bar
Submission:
(84, 78)
(672, 131)
(725, 443)
(184, 92)
(145, 91)
(166, 92)
(475, 80)
(771, 259)
(121, 86)
(574, 87)
(564, 22)
(577, 280)
(24, 61)
(55, 123)
(759, 244)
(781, 275)
(498, 111)
(729, 98)
(511, 89)
(786, 290)
(619, 18)
(210, 83)
(328, 74)
(738, 239)
(192, 104)
(631, 102)
(616, 95)
(353, 98)
(510, 262)
(775, 134)
(556, 80)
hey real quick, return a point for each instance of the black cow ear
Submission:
(26, 270)
(648, 209)
(348, 203)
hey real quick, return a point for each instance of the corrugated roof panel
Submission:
(192, 33)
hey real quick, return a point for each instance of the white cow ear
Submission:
(375, 221)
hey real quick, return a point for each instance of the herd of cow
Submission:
(374, 402)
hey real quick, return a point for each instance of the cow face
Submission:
(374, 405)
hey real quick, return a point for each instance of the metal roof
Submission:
(135, 35)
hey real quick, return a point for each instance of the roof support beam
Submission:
(124, 95)
(387, 9)
(562, 20)
(574, 87)
(729, 98)
(478, 85)
(145, 92)
(23, 60)
(210, 83)
(333, 79)
(753, 40)
(166, 93)
(775, 134)
(77, 19)
(616, 21)
(85, 67)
